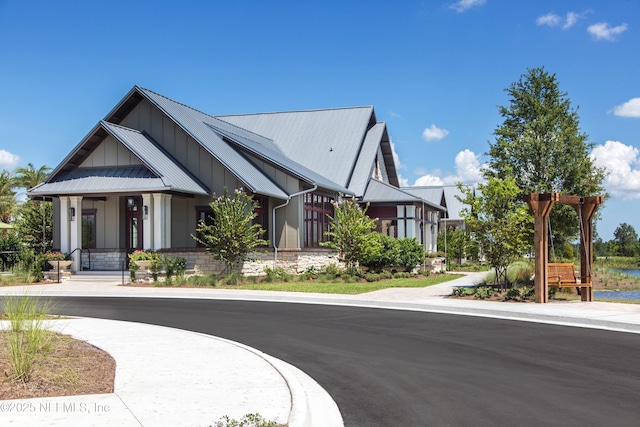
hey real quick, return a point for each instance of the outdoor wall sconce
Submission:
(145, 209)
(72, 213)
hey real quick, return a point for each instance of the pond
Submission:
(621, 295)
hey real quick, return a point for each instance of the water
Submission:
(622, 295)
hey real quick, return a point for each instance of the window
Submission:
(317, 210)
(88, 229)
(203, 213)
(262, 214)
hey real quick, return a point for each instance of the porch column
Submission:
(75, 230)
(64, 224)
(162, 221)
(147, 221)
(410, 221)
(402, 221)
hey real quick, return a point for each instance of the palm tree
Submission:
(28, 177)
(7, 197)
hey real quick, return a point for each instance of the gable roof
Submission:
(446, 195)
(380, 192)
(202, 128)
(339, 143)
(158, 172)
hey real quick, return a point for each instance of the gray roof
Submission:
(363, 168)
(380, 192)
(454, 206)
(160, 171)
(325, 141)
(432, 194)
(208, 132)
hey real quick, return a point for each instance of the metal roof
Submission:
(161, 171)
(193, 122)
(364, 164)
(86, 181)
(275, 158)
(454, 206)
(432, 194)
(325, 141)
(378, 191)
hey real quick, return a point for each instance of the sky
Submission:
(435, 71)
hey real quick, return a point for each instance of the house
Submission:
(447, 196)
(144, 176)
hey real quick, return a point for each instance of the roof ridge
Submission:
(238, 127)
(120, 126)
(313, 110)
(176, 102)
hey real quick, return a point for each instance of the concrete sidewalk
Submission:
(159, 383)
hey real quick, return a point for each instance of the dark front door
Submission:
(134, 224)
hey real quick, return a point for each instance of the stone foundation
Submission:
(103, 259)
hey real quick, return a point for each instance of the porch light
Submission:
(145, 209)
(72, 213)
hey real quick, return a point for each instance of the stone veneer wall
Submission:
(103, 259)
(292, 261)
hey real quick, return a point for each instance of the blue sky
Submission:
(435, 71)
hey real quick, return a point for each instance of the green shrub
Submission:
(484, 292)
(372, 277)
(233, 278)
(277, 275)
(249, 420)
(410, 253)
(387, 256)
(458, 292)
(512, 294)
(520, 273)
(206, 280)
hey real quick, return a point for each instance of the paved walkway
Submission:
(240, 380)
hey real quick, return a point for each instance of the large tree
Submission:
(541, 146)
(28, 177)
(7, 197)
(627, 239)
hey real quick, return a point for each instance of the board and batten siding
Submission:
(107, 221)
(110, 152)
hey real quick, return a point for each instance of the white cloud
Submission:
(572, 19)
(462, 5)
(622, 165)
(396, 158)
(550, 19)
(631, 108)
(553, 20)
(467, 165)
(8, 160)
(434, 133)
(603, 31)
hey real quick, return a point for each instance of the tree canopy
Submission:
(540, 145)
(627, 239)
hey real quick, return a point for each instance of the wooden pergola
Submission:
(541, 204)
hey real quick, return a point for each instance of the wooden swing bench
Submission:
(563, 275)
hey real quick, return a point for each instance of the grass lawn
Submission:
(342, 287)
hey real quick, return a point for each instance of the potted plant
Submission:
(142, 259)
(58, 260)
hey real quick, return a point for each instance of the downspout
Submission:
(273, 216)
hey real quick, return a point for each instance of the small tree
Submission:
(349, 233)
(231, 233)
(35, 225)
(499, 221)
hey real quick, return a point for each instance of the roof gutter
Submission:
(273, 216)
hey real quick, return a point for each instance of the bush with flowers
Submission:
(56, 256)
(143, 256)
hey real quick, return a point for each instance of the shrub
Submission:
(276, 275)
(387, 256)
(458, 292)
(249, 420)
(484, 292)
(512, 294)
(410, 253)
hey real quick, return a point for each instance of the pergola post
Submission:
(586, 211)
(540, 205)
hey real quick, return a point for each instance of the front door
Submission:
(134, 224)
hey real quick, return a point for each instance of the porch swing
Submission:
(562, 274)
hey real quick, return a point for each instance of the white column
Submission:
(410, 222)
(64, 224)
(401, 222)
(162, 221)
(147, 221)
(75, 231)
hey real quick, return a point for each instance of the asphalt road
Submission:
(400, 368)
